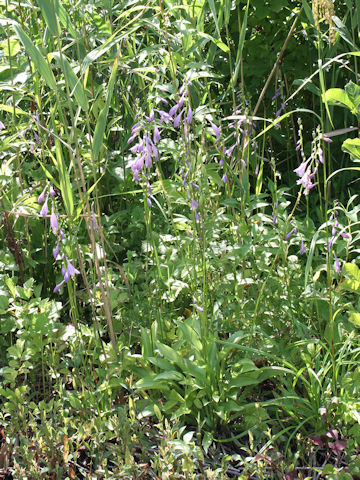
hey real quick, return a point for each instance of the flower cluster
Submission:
(308, 168)
(67, 268)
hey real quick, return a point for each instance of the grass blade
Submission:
(35, 55)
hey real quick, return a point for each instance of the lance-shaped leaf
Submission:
(36, 56)
(48, 12)
(73, 81)
(101, 123)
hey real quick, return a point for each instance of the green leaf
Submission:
(101, 123)
(4, 304)
(351, 271)
(65, 19)
(354, 317)
(240, 47)
(48, 12)
(73, 81)
(35, 55)
(353, 92)
(170, 354)
(352, 147)
(337, 96)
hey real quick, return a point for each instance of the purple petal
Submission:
(42, 195)
(337, 265)
(189, 116)
(173, 110)
(302, 247)
(53, 222)
(224, 178)
(56, 250)
(71, 269)
(216, 130)
(58, 286)
(156, 134)
(45, 209)
(194, 204)
(177, 119)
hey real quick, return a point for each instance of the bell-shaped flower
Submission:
(189, 116)
(156, 134)
(58, 286)
(45, 208)
(41, 197)
(56, 250)
(177, 119)
(54, 222)
(215, 129)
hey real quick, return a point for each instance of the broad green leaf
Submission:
(170, 354)
(73, 81)
(351, 271)
(35, 55)
(146, 345)
(4, 304)
(101, 123)
(353, 92)
(169, 375)
(150, 382)
(337, 96)
(191, 336)
(350, 286)
(244, 380)
(352, 146)
(48, 12)
(354, 318)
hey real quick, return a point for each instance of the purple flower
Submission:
(70, 271)
(42, 195)
(344, 235)
(189, 116)
(53, 222)
(302, 247)
(294, 230)
(151, 117)
(333, 231)
(149, 202)
(2, 126)
(216, 130)
(194, 204)
(56, 250)
(132, 138)
(173, 110)
(148, 161)
(301, 169)
(94, 222)
(274, 219)
(321, 155)
(326, 139)
(45, 209)
(58, 286)
(199, 309)
(178, 119)
(52, 191)
(337, 265)
(164, 116)
(197, 217)
(156, 134)
(224, 178)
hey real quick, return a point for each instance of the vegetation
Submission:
(180, 283)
